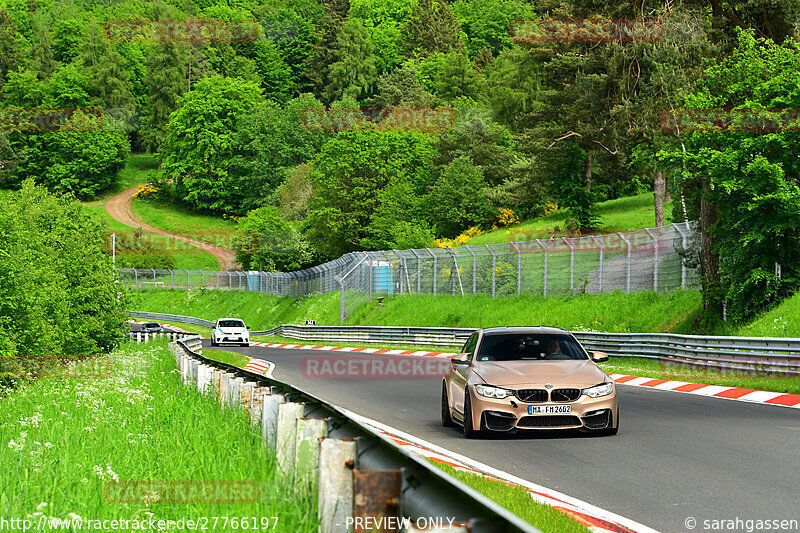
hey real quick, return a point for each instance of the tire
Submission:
(212, 341)
(469, 431)
(245, 345)
(447, 420)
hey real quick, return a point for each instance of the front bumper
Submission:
(512, 414)
(232, 339)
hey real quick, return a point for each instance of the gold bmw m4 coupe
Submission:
(528, 378)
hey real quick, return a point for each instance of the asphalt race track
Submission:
(676, 455)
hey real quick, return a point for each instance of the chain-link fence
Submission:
(659, 259)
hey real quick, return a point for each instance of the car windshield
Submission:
(529, 347)
(231, 324)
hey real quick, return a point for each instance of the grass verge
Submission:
(623, 214)
(649, 368)
(66, 439)
(613, 312)
(223, 356)
(518, 501)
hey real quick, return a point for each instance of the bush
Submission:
(58, 296)
(265, 241)
(144, 260)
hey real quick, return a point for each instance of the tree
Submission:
(323, 53)
(11, 45)
(110, 85)
(83, 158)
(58, 296)
(269, 142)
(167, 69)
(348, 178)
(401, 88)
(457, 199)
(198, 148)
(748, 178)
(353, 71)
(486, 23)
(265, 241)
(432, 27)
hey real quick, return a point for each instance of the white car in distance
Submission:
(230, 331)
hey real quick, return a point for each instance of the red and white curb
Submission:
(259, 366)
(385, 351)
(595, 518)
(699, 389)
(714, 391)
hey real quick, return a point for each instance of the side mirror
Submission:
(598, 357)
(248, 327)
(460, 359)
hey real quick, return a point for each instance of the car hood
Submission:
(575, 373)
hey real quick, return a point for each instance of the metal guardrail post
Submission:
(455, 271)
(494, 269)
(154, 277)
(371, 276)
(655, 258)
(519, 266)
(599, 243)
(435, 269)
(171, 279)
(568, 241)
(419, 271)
(136, 278)
(474, 270)
(403, 270)
(628, 275)
(336, 458)
(188, 283)
(546, 263)
(684, 245)
(341, 300)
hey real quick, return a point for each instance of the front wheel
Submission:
(447, 420)
(245, 345)
(469, 431)
(212, 342)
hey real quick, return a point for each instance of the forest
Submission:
(328, 126)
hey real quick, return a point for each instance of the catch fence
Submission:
(659, 259)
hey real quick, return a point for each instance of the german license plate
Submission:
(549, 409)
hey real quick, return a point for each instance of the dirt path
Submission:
(119, 207)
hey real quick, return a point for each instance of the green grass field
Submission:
(672, 312)
(68, 440)
(518, 501)
(781, 321)
(181, 221)
(621, 215)
(186, 257)
(636, 366)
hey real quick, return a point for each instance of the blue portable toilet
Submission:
(382, 277)
(253, 280)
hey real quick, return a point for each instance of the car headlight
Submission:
(493, 392)
(604, 389)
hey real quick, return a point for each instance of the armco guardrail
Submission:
(762, 354)
(357, 472)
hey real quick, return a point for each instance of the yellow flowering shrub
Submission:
(550, 207)
(506, 217)
(146, 190)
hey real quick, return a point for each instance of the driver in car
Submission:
(551, 347)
